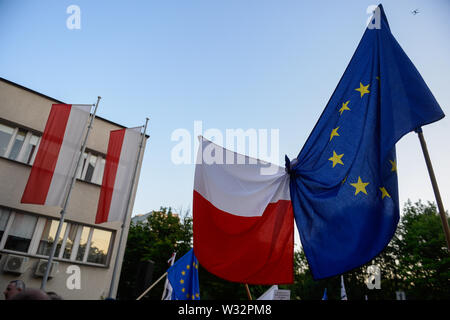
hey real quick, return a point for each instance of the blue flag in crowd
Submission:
(325, 296)
(183, 277)
(344, 181)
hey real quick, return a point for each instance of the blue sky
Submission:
(261, 64)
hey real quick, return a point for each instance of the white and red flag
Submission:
(243, 219)
(121, 158)
(56, 158)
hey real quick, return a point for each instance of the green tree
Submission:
(424, 262)
(416, 261)
(156, 239)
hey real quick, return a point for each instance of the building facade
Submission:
(86, 252)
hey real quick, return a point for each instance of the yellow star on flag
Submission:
(344, 107)
(363, 89)
(183, 272)
(334, 133)
(336, 158)
(181, 281)
(384, 193)
(394, 165)
(360, 186)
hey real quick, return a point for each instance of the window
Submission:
(48, 237)
(4, 216)
(98, 249)
(91, 168)
(18, 144)
(30, 149)
(19, 236)
(35, 235)
(21, 145)
(5, 136)
(71, 236)
(83, 243)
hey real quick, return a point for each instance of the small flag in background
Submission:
(343, 293)
(183, 277)
(167, 293)
(344, 183)
(57, 155)
(121, 158)
(325, 296)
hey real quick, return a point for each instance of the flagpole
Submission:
(116, 264)
(437, 194)
(151, 287)
(66, 201)
(249, 295)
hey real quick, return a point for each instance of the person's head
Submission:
(14, 287)
(31, 294)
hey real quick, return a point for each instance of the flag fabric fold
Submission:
(57, 155)
(343, 292)
(344, 181)
(167, 292)
(243, 219)
(183, 277)
(121, 159)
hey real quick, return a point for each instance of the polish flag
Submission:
(243, 218)
(56, 158)
(121, 159)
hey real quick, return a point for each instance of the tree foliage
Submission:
(155, 239)
(415, 261)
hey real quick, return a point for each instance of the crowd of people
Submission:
(16, 290)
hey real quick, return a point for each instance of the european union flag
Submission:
(344, 183)
(183, 277)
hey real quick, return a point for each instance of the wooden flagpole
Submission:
(249, 295)
(151, 287)
(435, 187)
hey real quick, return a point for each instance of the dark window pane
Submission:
(19, 236)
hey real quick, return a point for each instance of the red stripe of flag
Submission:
(109, 176)
(254, 250)
(44, 165)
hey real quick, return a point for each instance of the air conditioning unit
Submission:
(15, 264)
(42, 266)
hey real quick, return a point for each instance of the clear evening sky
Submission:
(262, 64)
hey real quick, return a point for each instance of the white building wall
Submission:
(30, 110)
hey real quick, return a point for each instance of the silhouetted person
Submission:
(14, 287)
(31, 294)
